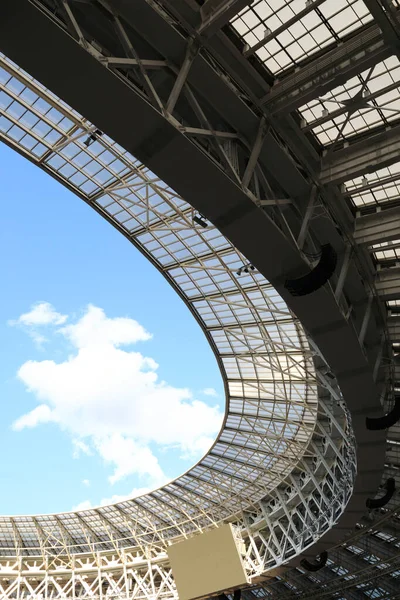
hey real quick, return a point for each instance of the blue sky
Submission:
(93, 341)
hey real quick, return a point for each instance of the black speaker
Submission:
(317, 277)
(376, 424)
(317, 565)
(390, 487)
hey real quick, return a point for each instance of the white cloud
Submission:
(85, 505)
(38, 338)
(122, 497)
(40, 414)
(129, 458)
(80, 447)
(86, 482)
(111, 400)
(210, 392)
(41, 313)
(95, 328)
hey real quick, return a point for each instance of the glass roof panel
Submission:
(296, 29)
(365, 102)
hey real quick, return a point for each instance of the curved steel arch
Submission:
(276, 437)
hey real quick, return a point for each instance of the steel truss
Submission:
(274, 424)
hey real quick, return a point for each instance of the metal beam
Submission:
(133, 62)
(387, 21)
(217, 13)
(131, 53)
(378, 227)
(393, 324)
(366, 156)
(190, 55)
(255, 152)
(307, 217)
(388, 283)
(343, 272)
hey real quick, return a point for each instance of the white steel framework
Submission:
(282, 462)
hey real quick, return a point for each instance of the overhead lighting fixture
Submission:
(200, 220)
(267, 32)
(92, 137)
(364, 181)
(245, 269)
(89, 140)
(325, 112)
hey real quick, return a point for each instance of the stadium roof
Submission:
(287, 108)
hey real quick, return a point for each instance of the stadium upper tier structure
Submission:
(250, 150)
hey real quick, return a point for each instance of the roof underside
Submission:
(292, 38)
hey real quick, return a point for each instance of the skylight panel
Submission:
(294, 30)
(376, 188)
(376, 103)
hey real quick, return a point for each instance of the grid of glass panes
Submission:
(377, 92)
(296, 29)
(375, 188)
